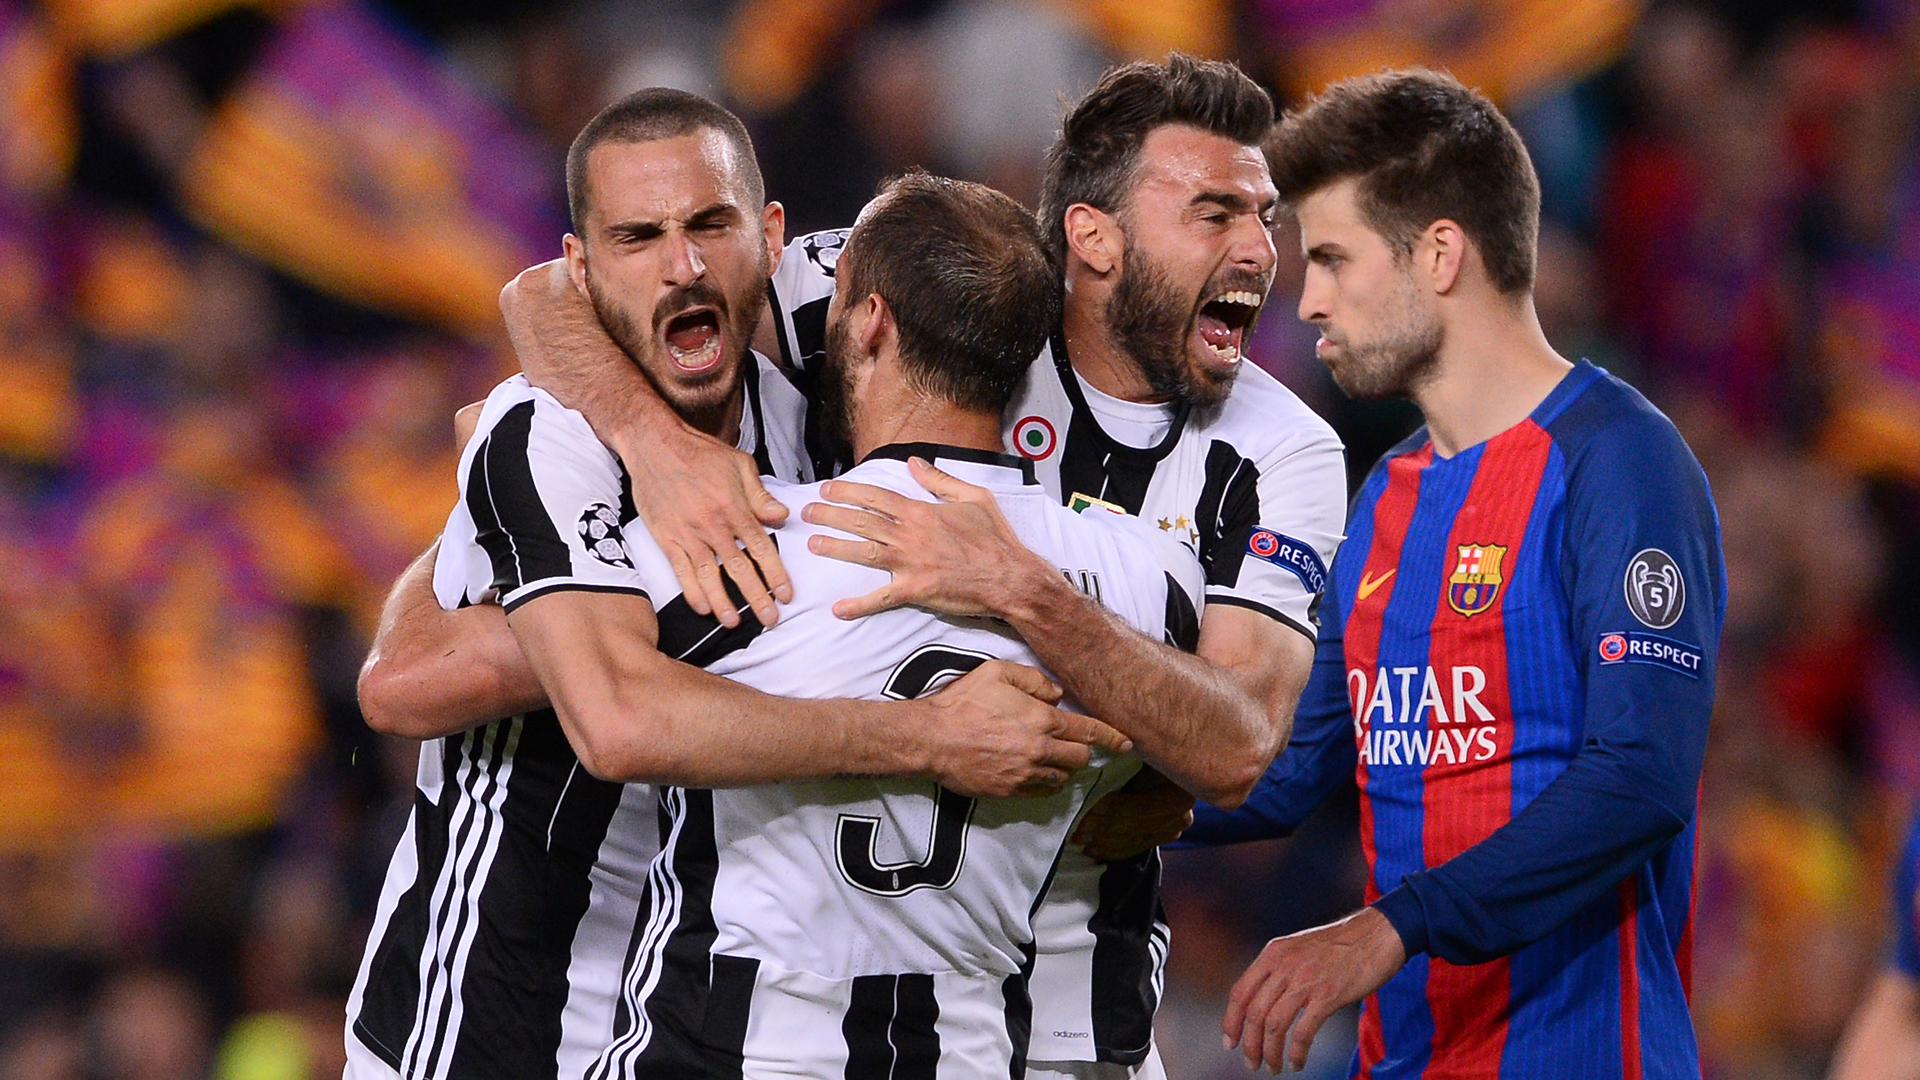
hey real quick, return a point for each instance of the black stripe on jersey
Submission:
(511, 522)
(568, 585)
(729, 1003)
(700, 640)
(671, 946)
(478, 784)
(1018, 1007)
(809, 346)
(762, 459)
(1094, 463)
(1125, 993)
(1227, 514)
(513, 991)
(889, 1028)
(1183, 622)
(393, 975)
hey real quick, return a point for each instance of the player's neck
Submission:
(910, 416)
(1493, 370)
(1102, 361)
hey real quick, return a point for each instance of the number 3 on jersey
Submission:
(928, 668)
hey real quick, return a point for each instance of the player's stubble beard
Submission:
(1398, 361)
(705, 403)
(836, 393)
(1149, 318)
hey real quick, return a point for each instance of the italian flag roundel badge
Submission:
(1033, 437)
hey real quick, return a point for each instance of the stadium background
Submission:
(248, 255)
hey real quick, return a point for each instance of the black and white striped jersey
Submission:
(510, 899)
(869, 926)
(1255, 488)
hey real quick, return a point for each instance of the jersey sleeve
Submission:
(1319, 758)
(802, 288)
(1906, 906)
(1282, 519)
(547, 501)
(1642, 568)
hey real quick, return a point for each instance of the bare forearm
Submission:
(670, 723)
(433, 672)
(1187, 718)
(565, 351)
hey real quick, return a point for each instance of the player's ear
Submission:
(875, 327)
(1094, 237)
(773, 221)
(1441, 253)
(576, 251)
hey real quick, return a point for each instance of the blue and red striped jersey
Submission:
(1516, 665)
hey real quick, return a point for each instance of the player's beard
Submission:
(705, 400)
(1149, 318)
(1398, 361)
(836, 394)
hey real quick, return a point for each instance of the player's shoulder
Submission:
(1262, 416)
(1612, 436)
(518, 410)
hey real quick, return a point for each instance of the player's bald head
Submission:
(655, 113)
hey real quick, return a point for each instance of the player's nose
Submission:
(684, 262)
(1253, 246)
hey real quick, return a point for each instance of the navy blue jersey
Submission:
(1516, 664)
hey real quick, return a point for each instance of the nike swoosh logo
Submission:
(1369, 587)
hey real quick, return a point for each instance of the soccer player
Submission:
(498, 937)
(850, 926)
(1157, 203)
(1516, 657)
(1882, 1041)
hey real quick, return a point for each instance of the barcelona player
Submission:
(1516, 657)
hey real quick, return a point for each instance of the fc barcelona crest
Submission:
(1476, 580)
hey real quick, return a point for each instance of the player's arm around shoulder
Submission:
(438, 664)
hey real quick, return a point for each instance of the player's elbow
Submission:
(385, 701)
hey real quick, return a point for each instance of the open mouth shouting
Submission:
(1222, 323)
(693, 339)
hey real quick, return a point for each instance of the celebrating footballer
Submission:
(829, 632)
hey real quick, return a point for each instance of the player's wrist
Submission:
(1029, 591)
(1403, 911)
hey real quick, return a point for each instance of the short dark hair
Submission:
(1423, 147)
(658, 112)
(971, 288)
(1093, 160)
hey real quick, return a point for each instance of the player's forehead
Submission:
(665, 179)
(1332, 215)
(1178, 162)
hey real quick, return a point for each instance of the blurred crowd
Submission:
(248, 255)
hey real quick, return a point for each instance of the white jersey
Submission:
(804, 928)
(509, 901)
(828, 928)
(1255, 488)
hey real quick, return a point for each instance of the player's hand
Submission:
(705, 505)
(1300, 980)
(1151, 810)
(995, 732)
(958, 556)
